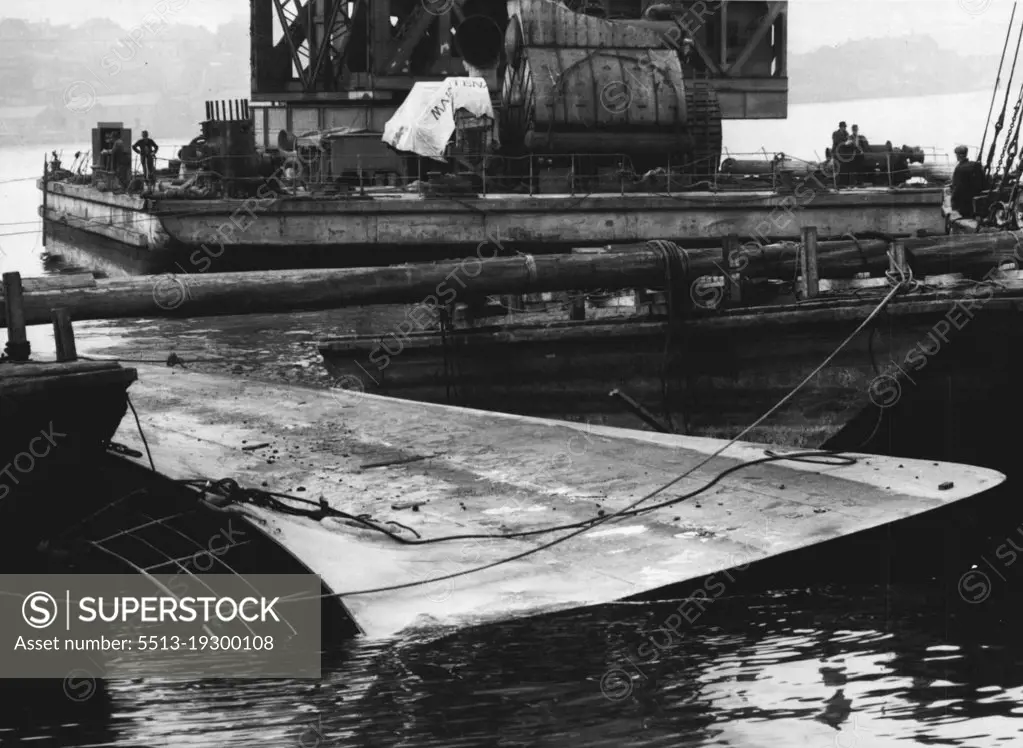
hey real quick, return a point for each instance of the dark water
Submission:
(782, 658)
(822, 668)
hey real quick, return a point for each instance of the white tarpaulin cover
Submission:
(424, 123)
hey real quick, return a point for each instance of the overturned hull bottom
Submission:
(717, 377)
(455, 487)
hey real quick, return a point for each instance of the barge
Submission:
(698, 360)
(596, 132)
(126, 234)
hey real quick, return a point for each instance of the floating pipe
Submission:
(264, 292)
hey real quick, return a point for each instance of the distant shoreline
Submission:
(50, 143)
(795, 102)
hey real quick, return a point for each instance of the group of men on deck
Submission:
(968, 179)
(118, 160)
(848, 154)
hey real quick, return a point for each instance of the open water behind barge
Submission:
(815, 650)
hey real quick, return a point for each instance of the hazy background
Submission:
(65, 64)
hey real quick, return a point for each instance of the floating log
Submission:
(637, 266)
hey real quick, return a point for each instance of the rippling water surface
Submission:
(822, 667)
(825, 666)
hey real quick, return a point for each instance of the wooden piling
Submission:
(808, 263)
(64, 335)
(18, 348)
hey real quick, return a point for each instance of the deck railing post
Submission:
(18, 348)
(808, 263)
(64, 335)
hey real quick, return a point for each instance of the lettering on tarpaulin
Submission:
(442, 105)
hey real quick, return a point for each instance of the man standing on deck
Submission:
(692, 63)
(859, 162)
(147, 148)
(967, 182)
(839, 136)
(121, 159)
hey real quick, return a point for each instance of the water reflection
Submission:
(830, 668)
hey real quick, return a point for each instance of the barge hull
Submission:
(710, 377)
(213, 235)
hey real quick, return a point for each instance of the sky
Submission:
(968, 26)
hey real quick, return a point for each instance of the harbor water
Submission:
(820, 652)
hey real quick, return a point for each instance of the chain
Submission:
(1013, 147)
(1010, 140)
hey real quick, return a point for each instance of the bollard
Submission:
(18, 348)
(897, 260)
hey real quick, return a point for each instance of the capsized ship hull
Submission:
(473, 472)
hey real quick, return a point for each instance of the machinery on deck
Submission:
(223, 161)
(590, 85)
(576, 84)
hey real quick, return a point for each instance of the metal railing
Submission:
(310, 171)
